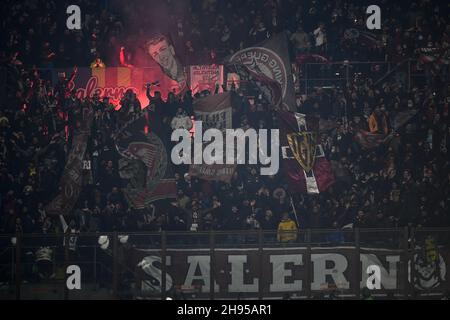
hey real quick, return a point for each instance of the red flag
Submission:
(267, 66)
(320, 177)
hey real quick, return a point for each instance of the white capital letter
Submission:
(336, 270)
(237, 276)
(280, 273)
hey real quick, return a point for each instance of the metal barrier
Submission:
(340, 74)
(154, 265)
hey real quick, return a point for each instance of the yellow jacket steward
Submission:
(287, 231)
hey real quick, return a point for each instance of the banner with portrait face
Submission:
(162, 51)
(267, 67)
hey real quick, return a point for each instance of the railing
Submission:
(340, 74)
(118, 271)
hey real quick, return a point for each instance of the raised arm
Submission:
(147, 92)
(123, 63)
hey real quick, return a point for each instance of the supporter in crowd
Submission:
(287, 229)
(404, 182)
(300, 41)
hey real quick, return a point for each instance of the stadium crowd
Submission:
(400, 183)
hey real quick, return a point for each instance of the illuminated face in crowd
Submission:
(164, 54)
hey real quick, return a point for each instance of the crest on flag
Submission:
(306, 168)
(303, 147)
(144, 165)
(267, 67)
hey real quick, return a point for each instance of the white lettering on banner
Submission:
(237, 275)
(203, 263)
(321, 271)
(218, 120)
(280, 273)
(330, 269)
(206, 77)
(151, 265)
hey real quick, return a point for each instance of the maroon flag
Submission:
(145, 165)
(72, 179)
(267, 66)
(304, 163)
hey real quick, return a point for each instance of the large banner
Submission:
(161, 50)
(114, 82)
(304, 163)
(145, 166)
(278, 271)
(215, 111)
(267, 66)
(72, 178)
(206, 77)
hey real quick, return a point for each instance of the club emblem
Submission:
(303, 146)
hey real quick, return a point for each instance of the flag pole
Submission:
(295, 212)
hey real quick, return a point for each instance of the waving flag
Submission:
(145, 165)
(304, 163)
(267, 66)
(72, 178)
(214, 111)
(369, 140)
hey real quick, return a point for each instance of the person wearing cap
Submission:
(287, 229)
